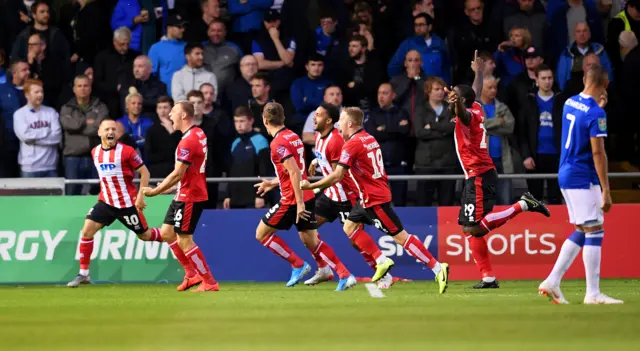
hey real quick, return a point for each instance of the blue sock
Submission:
(578, 238)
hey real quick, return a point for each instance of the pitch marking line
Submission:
(374, 291)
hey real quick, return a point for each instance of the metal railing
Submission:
(391, 177)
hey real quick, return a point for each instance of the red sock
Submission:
(86, 248)
(497, 219)
(416, 249)
(362, 240)
(319, 261)
(326, 253)
(480, 254)
(189, 270)
(369, 259)
(280, 248)
(200, 263)
(155, 235)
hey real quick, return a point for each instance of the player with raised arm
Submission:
(361, 158)
(584, 182)
(117, 165)
(184, 212)
(295, 206)
(337, 200)
(479, 191)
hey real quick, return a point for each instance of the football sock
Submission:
(200, 263)
(155, 235)
(416, 249)
(369, 259)
(189, 270)
(362, 240)
(319, 261)
(326, 253)
(568, 252)
(497, 219)
(86, 248)
(280, 248)
(591, 256)
(480, 254)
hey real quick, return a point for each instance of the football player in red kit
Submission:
(361, 159)
(479, 191)
(296, 207)
(184, 212)
(117, 165)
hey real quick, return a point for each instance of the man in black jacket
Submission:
(111, 67)
(149, 86)
(250, 157)
(390, 126)
(52, 73)
(361, 76)
(540, 133)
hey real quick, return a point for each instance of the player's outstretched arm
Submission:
(477, 65)
(601, 163)
(171, 180)
(335, 176)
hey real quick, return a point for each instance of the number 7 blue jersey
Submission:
(582, 119)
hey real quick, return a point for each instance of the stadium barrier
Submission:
(39, 244)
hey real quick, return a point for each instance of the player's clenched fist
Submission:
(305, 185)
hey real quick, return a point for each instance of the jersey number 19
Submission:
(377, 163)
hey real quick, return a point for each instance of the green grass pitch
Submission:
(253, 316)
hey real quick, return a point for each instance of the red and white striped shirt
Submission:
(116, 168)
(327, 151)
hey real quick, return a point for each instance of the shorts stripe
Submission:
(143, 220)
(479, 199)
(186, 220)
(386, 221)
(277, 217)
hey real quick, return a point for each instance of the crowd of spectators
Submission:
(65, 66)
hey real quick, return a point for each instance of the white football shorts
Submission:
(584, 206)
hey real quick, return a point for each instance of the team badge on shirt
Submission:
(602, 124)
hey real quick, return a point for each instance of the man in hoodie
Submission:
(432, 49)
(38, 128)
(570, 62)
(12, 97)
(55, 41)
(80, 118)
(307, 91)
(220, 56)
(167, 55)
(193, 74)
(390, 126)
(148, 85)
(539, 134)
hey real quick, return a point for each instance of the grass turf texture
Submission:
(256, 316)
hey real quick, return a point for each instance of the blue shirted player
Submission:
(584, 183)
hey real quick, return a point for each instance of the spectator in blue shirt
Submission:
(167, 55)
(11, 99)
(248, 18)
(432, 49)
(325, 35)
(307, 92)
(510, 55)
(134, 123)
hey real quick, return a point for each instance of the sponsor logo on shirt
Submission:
(602, 124)
(138, 160)
(282, 151)
(183, 153)
(344, 157)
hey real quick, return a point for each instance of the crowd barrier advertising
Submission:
(39, 244)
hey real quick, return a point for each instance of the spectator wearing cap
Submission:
(510, 55)
(193, 74)
(248, 18)
(80, 118)
(275, 53)
(472, 33)
(432, 49)
(570, 61)
(524, 83)
(110, 67)
(221, 56)
(564, 15)
(38, 128)
(12, 97)
(239, 91)
(148, 85)
(167, 55)
(307, 91)
(360, 76)
(391, 126)
(197, 29)
(532, 18)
